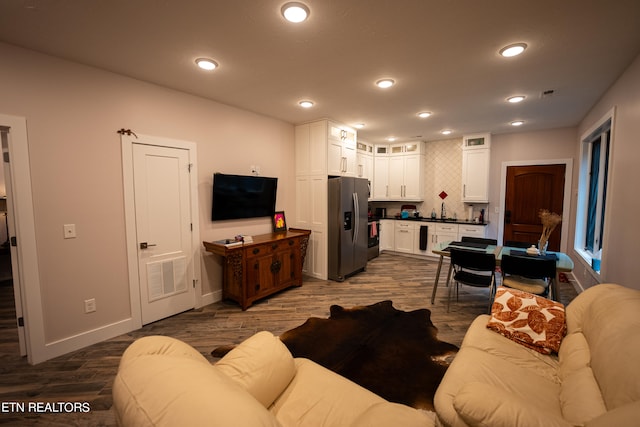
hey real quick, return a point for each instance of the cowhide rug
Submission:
(393, 353)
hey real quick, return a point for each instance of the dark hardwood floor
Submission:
(87, 375)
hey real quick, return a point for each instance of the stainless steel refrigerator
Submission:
(347, 233)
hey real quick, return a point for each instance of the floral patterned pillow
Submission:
(531, 320)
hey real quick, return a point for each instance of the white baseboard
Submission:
(84, 339)
(211, 297)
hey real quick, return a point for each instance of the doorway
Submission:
(162, 226)
(528, 187)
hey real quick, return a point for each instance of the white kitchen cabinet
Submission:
(387, 234)
(311, 214)
(311, 149)
(404, 236)
(470, 230)
(322, 148)
(364, 160)
(475, 168)
(380, 173)
(404, 173)
(341, 150)
(440, 232)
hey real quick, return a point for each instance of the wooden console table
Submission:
(270, 263)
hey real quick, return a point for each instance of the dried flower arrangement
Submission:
(549, 222)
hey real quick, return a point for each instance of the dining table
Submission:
(564, 264)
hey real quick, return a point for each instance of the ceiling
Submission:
(443, 55)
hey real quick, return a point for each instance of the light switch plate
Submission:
(69, 231)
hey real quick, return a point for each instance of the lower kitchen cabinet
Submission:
(404, 237)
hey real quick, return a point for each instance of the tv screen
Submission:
(240, 196)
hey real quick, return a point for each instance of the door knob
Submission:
(145, 245)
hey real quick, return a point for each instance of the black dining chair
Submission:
(516, 244)
(527, 273)
(478, 240)
(473, 268)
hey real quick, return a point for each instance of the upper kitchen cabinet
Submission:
(399, 172)
(475, 168)
(341, 150)
(380, 190)
(364, 160)
(311, 148)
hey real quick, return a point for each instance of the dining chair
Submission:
(473, 268)
(528, 273)
(516, 244)
(479, 240)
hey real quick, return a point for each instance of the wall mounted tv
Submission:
(240, 196)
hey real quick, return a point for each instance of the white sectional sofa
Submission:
(165, 382)
(593, 381)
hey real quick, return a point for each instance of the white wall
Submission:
(73, 113)
(533, 147)
(622, 233)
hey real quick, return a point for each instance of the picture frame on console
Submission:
(279, 222)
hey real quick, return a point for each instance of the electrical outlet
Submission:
(90, 305)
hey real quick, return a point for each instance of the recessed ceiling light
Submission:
(424, 114)
(513, 50)
(295, 12)
(385, 83)
(446, 132)
(517, 123)
(359, 125)
(305, 104)
(515, 99)
(206, 64)
(391, 138)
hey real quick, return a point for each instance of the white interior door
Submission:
(163, 230)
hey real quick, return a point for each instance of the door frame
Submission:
(24, 220)
(127, 142)
(566, 202)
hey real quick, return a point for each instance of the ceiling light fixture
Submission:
(513, 50)
(424, 114)
(446, 132)
(359, 125)
(517, 123)
(206, 64)
(305, 104)
(391, 138)
(385, 83)
(515, 99)
(295, 12)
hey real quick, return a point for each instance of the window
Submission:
(592, 191)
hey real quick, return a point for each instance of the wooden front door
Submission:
(529, 189)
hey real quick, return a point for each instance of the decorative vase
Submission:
(542, 246)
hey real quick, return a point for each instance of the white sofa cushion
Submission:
(480, 337)
(481, 405)
(173, 385)
(580, 396)
(609, 318)
(262, 365)
(473, 364)
(319, 397)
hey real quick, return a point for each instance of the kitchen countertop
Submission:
(428, 219)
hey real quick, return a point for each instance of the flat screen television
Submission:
(241, 196)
